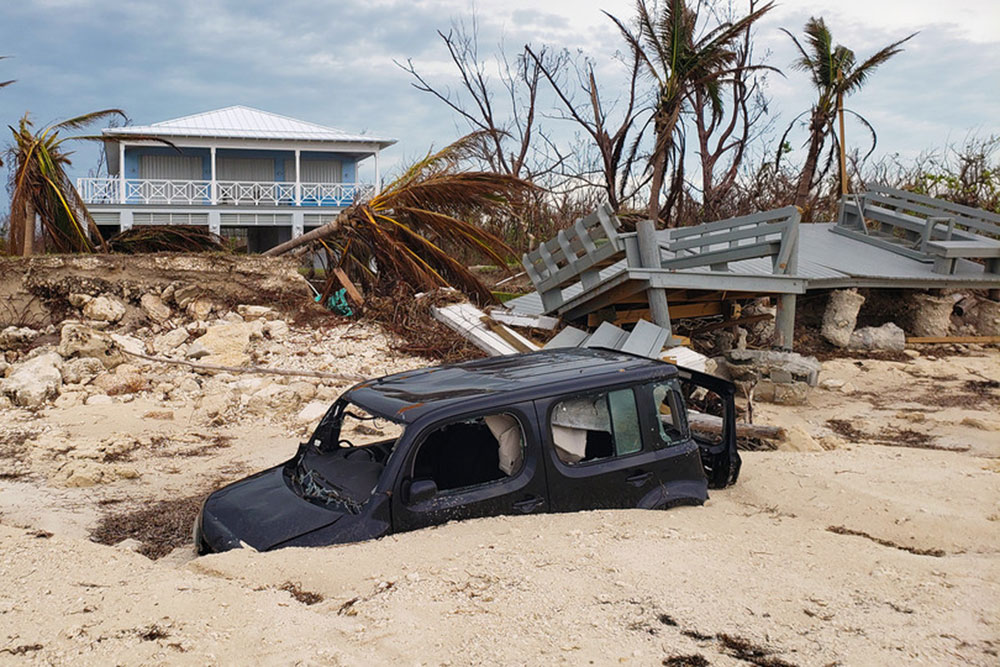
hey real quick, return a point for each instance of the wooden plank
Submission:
(677, 312)
(607, 336)
(938, 203)
(933, 340)
(527, 321)
(753, 218)
(505, 333)
(352, 292)
(465, 320)
(709, 239)
(703, 423)
(763, 249)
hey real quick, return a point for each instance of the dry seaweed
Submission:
(161, 527)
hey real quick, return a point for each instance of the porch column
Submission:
(121, 172)
(298, 223)
(649, 255)
(215, 186)
(298, 177)
(378, 175)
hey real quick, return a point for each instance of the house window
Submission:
(471, 452)
(597, 426)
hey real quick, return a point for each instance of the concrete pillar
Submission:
(215, 222)
(214, 186)
(298, 224)
(125, 220)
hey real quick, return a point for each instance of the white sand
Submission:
(634, 587)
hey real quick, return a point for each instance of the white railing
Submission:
(227, 193)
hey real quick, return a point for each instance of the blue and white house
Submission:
(239, 171)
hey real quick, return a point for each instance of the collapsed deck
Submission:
(885, 238)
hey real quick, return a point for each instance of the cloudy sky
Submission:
(331, 62)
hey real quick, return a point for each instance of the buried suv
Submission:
(549, 431)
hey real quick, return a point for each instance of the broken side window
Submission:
(471, 451)
(669, 410)
(588, 428)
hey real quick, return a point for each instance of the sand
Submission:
(850, 550)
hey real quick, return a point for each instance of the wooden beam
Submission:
(677, 312)
(930, 340)
(352, 292)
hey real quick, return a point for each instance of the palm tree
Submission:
(404, 232)
(681, 63)
(835, 73)
(40, 187)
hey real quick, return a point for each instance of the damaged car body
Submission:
(549, 431)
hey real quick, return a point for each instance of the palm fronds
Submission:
(166, 238)
(406, 231)
(40, 186)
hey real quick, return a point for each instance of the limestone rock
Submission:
(988, 318)
(841, 316)
(216, 403)
(257, 312)
(782, 393)
(200, 308)
(304, 390)
(183, 295)
(797, 439)
(129, 343)
(312, 412)
(274, 398)
(32, 382)
(99, 399)
(14, 338)
(154, 308)
(752, 365)
(276, 329)
(930, 315)
(120, 382)
(170, 340)
(222, 345)
(78, 340)
(79, 300)
(104, 309)
(81, 370)
(886, 337)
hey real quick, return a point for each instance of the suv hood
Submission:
(261, 511)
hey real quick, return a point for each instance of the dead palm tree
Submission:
(681, 62)
(835, 73)
(405, 231)
(40, 187)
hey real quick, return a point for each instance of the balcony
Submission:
(219, 193)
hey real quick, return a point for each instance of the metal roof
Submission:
(409, 395)
(240, 122)
(826, 261)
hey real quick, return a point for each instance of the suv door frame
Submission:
(526, 492)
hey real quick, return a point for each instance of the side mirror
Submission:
(422, 489)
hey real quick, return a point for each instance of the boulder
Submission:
(841, 316)
(170, 340)
(81, 370)
(988, 318)
(200, 308)
(130, 344)
(929, 315)
(104, 309)
(79, 340)
(32, 382)
(753, 365)
(222, 345)
(182, 294)
(782, 393)
(886, 337)
(14, 338)
(272, 399)
(154, 308)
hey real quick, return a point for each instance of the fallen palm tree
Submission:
(409, 230)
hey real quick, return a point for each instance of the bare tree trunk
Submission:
(816, 127)
(28, 234)
(320, 232)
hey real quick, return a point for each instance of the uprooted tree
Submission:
(409, 231)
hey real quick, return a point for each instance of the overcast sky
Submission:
(332, 62)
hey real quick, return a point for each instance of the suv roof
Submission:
(408, 395)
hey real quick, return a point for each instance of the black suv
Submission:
(550, 431)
